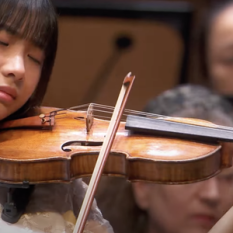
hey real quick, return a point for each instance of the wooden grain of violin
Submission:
(60, 145)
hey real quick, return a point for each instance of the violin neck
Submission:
(162, 127)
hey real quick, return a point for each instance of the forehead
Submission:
(11, 30)
(18, 34)
(27, 20)
(228, 152)
(221, 30)
(11, 34)
(227, 171)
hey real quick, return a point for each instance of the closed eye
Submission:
(226, 177)
(35, 60)
(3, 43)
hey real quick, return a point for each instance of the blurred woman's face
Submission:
(220, 52)
(192, 208)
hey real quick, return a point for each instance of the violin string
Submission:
(131, 111)
(99, 107)
(105, 107)
(100, 116)
(152, 115)
(138, 113)
(107, 117)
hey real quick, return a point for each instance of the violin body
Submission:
(68, 150)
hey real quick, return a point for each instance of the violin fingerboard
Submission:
(160, 127)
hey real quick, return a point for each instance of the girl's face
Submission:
(20, 70)
(220, 52)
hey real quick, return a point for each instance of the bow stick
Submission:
(103, 155)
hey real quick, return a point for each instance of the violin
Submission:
(60, 145)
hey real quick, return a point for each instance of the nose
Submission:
(210, 191)
(14, 66)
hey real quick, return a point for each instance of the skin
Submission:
(20, 68)
(220, 52)
(192, 208)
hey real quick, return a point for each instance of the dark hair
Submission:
(193, 101)
(37, 21)
(205, 26)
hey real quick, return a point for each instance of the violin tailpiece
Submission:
(42, 122)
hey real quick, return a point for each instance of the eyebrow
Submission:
(14, 32)
(9, 29)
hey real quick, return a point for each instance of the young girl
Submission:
(28, 44)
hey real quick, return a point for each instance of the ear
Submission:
(141, 192)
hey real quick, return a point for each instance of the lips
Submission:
(8, 91)
(7, 95)
(207, 220)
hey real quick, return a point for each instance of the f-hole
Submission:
(79, 143)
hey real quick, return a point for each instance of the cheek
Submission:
(221, 72)
(167, 202)
(219, 65)
(227, 201)
(221, 77)
(31, 80)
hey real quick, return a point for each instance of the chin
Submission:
(196, 229)
(4, 112)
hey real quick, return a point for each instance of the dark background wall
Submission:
(87, 53)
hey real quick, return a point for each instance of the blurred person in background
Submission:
(216, 48)
(142, 207)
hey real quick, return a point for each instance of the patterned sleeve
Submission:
(95, 222)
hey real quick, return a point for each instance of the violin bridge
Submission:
(89, 118)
